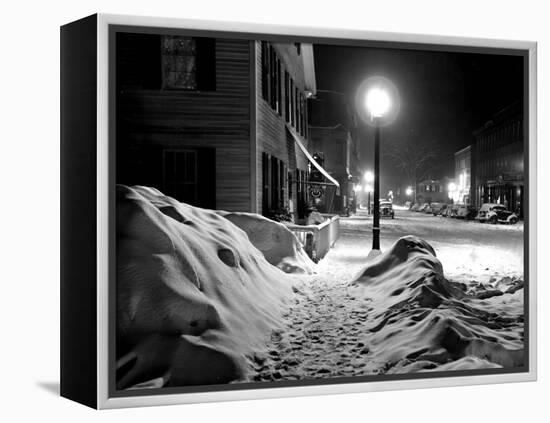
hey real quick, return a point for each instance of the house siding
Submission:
(157, 119)
(272, 136)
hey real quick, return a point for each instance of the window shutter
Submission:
(150, 62)
(284, 183)
(206, 64)
(279, 89)
(265, 71)
(274, 183)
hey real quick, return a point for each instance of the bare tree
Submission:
(416, 161)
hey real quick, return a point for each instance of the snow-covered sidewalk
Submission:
(327, 331)
(324, 331)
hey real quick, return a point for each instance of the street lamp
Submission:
(368, 176)
(377, 103)
(368, 190)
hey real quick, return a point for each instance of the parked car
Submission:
(386, 209)
(446, 212)
(453, 212)
(408, 204)
(465, 212)
(495, 213)
(415, 207)
(423, 207)
(438, 208)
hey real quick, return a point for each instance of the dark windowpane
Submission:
(179, 62)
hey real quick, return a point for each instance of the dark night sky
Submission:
(444, 96)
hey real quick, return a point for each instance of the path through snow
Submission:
(324, 328)
(324, 332)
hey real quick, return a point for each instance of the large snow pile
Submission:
(279, 245)
(421, 321)
(194, 296)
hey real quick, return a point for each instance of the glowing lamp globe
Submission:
(378, 102)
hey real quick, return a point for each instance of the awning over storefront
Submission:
(311, 159)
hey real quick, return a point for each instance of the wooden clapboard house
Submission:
(215, 122)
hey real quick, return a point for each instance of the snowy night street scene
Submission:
(290, 212)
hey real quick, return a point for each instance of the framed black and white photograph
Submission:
(253, 211)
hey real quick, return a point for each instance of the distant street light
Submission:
(377, 103)
(409, 191)
(369, 178)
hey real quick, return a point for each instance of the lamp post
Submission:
(377, 103)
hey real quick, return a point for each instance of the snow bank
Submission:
(278, 244)
(194, 296)
(420, 321)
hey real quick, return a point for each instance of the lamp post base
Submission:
(373, 254)
(375, 238)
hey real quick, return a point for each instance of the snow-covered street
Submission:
(334, 330)
(468, 250)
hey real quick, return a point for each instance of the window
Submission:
(188, 176)
(287, 97)
(180, 174)
(275, 183)
(188, 63)
(271, 77)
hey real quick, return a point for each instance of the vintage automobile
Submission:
(453, 210)
(446, 212)
(438, 208)
(386, 209)
(466, 212)
(424, 207)
(496, 213)
(415, 207)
